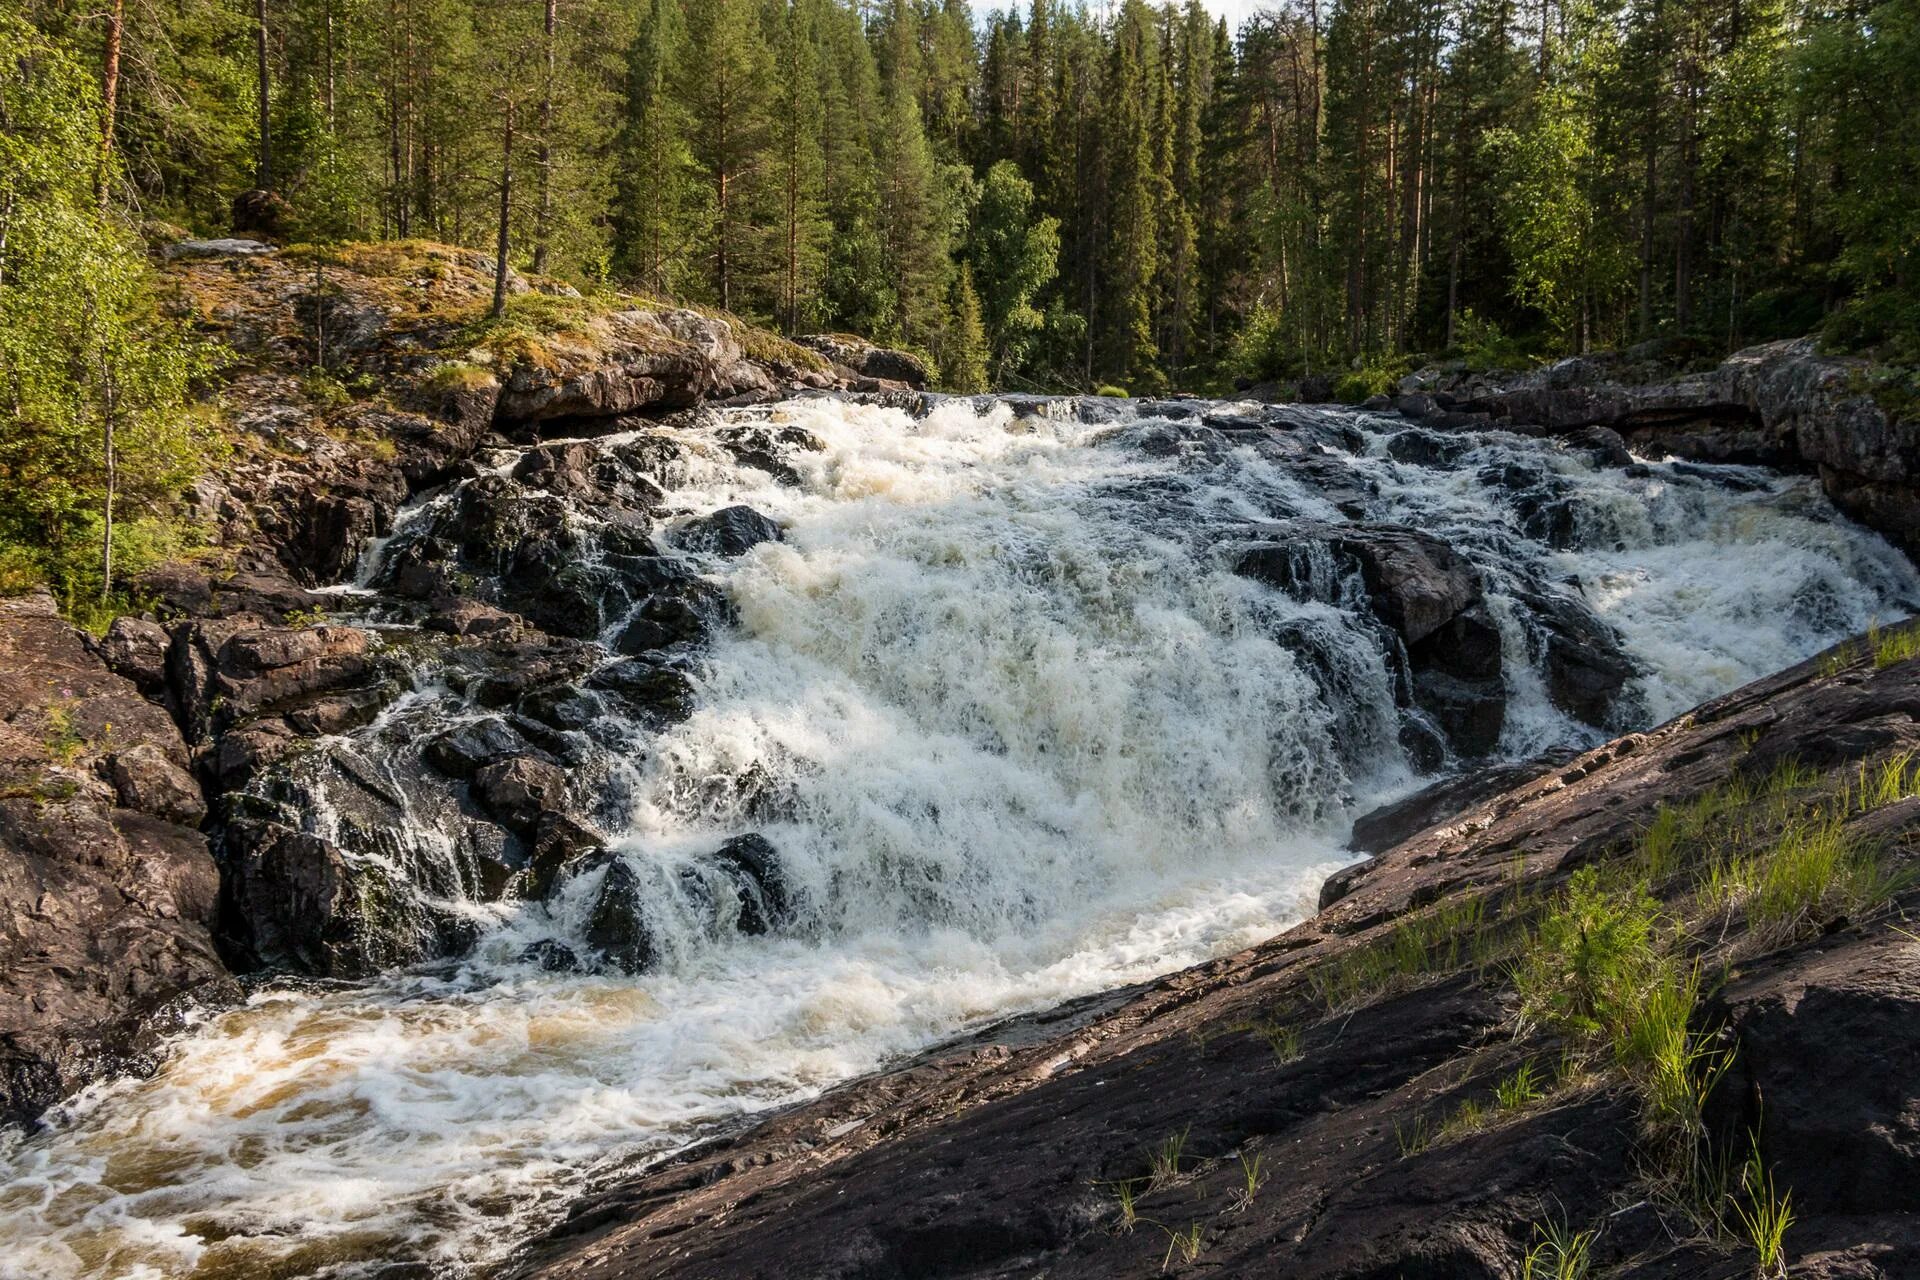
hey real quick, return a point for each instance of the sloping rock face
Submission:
(1301, 1138)
(362, 390)
(1781, 404)
(107, 889)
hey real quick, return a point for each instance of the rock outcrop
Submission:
(107, 890)
(1781, 405)
(1312, 1124)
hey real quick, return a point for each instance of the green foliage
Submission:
(96, 376)
(1013, 252)
(1560, 1254)
(1591, 959)
(1375, 378)
(1765, 1216)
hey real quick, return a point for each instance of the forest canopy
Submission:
(1062, 195)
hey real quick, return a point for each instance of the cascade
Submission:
(875, 728)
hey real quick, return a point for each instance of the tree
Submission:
(799, 117)
(1012, 254)
(963, 361)
(651, 216)
(92, 378)
(722, 82)
(1132, 248)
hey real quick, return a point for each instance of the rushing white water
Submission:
(1033, 739)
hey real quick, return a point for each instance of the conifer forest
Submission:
(1061, 195)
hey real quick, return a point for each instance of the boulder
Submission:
(137, 649)
(520, 790)
(657, 692)
(866, 360)
(753, 865)
(461, 751)
(616, 925)
(146, 779)
(730, 531)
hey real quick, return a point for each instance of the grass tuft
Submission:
(1765, 1216)
(1164, 1159)
(1561, 1254)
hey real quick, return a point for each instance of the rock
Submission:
(294, 900)
(1586, 666)
(145, 779)
(232, 247)
(662, 694)
(471, 618)
(137, 649)
(559, 841)
(754, 867)
(1417, 582)
(460, 752)
(1427, 448)
(520, 790)
(106, 913)
(730, 531)
(1780, 404)
(1600, 445)
(616, 926)
(672, 618)
(866, 360)
(1390, 824)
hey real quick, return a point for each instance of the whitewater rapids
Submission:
(1037, 741)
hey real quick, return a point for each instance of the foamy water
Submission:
(1033, 740)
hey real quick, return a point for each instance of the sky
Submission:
(1234, 11)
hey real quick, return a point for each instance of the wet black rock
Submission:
(1428, 448)
(615, 925)
(1587, 669)
(661, 693)
(754, 867)
(520, 790)
(730, 531)
(461, 750)
(676, 617)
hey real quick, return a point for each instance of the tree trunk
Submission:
(110, 407)
(329, 88)
(264, 179)
(506, 205)
(109, 96)
(543, 219)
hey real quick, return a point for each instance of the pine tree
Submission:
(799, 118)
(1131, 247)
(722, 84)
(963, 364)
(651, 218)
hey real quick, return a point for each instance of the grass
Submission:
(1560, 1254)
(1889, 647)
(1884, 646)
(1126, 1190)
(1164, 1160)
(1283, 1040)
(1765, 1217)
(1186, 1242)
(1521, 1089)
(1252, 1176)
(1448, 938)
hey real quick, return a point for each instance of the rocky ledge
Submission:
(1782, 405)
(1628, 1005)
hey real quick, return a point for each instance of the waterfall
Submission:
(1028, 699)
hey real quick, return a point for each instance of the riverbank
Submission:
(1415, 1081)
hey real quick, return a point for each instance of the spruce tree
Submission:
(1132, 200)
